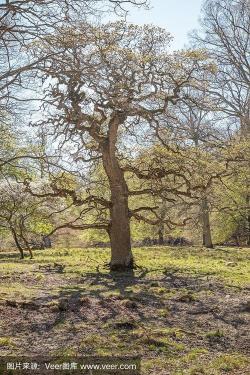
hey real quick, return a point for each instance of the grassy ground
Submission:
(184, 310)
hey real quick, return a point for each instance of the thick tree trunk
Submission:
(121, 255)
(163, 210)
(206, 230)
(119, 231)
(245, 124)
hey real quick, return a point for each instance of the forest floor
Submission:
(183, 310)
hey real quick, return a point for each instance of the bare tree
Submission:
(194, 123)
(226, 37)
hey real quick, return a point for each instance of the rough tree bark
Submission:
(206, 230)
(119, 230)
(163, 211)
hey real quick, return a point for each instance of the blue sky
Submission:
(177, 16)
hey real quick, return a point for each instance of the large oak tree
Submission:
(105, 89)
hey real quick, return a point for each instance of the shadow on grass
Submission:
(6, 256)
(107, 297)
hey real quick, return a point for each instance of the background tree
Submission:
(194, 127)
(22, 216)
(225, 37)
